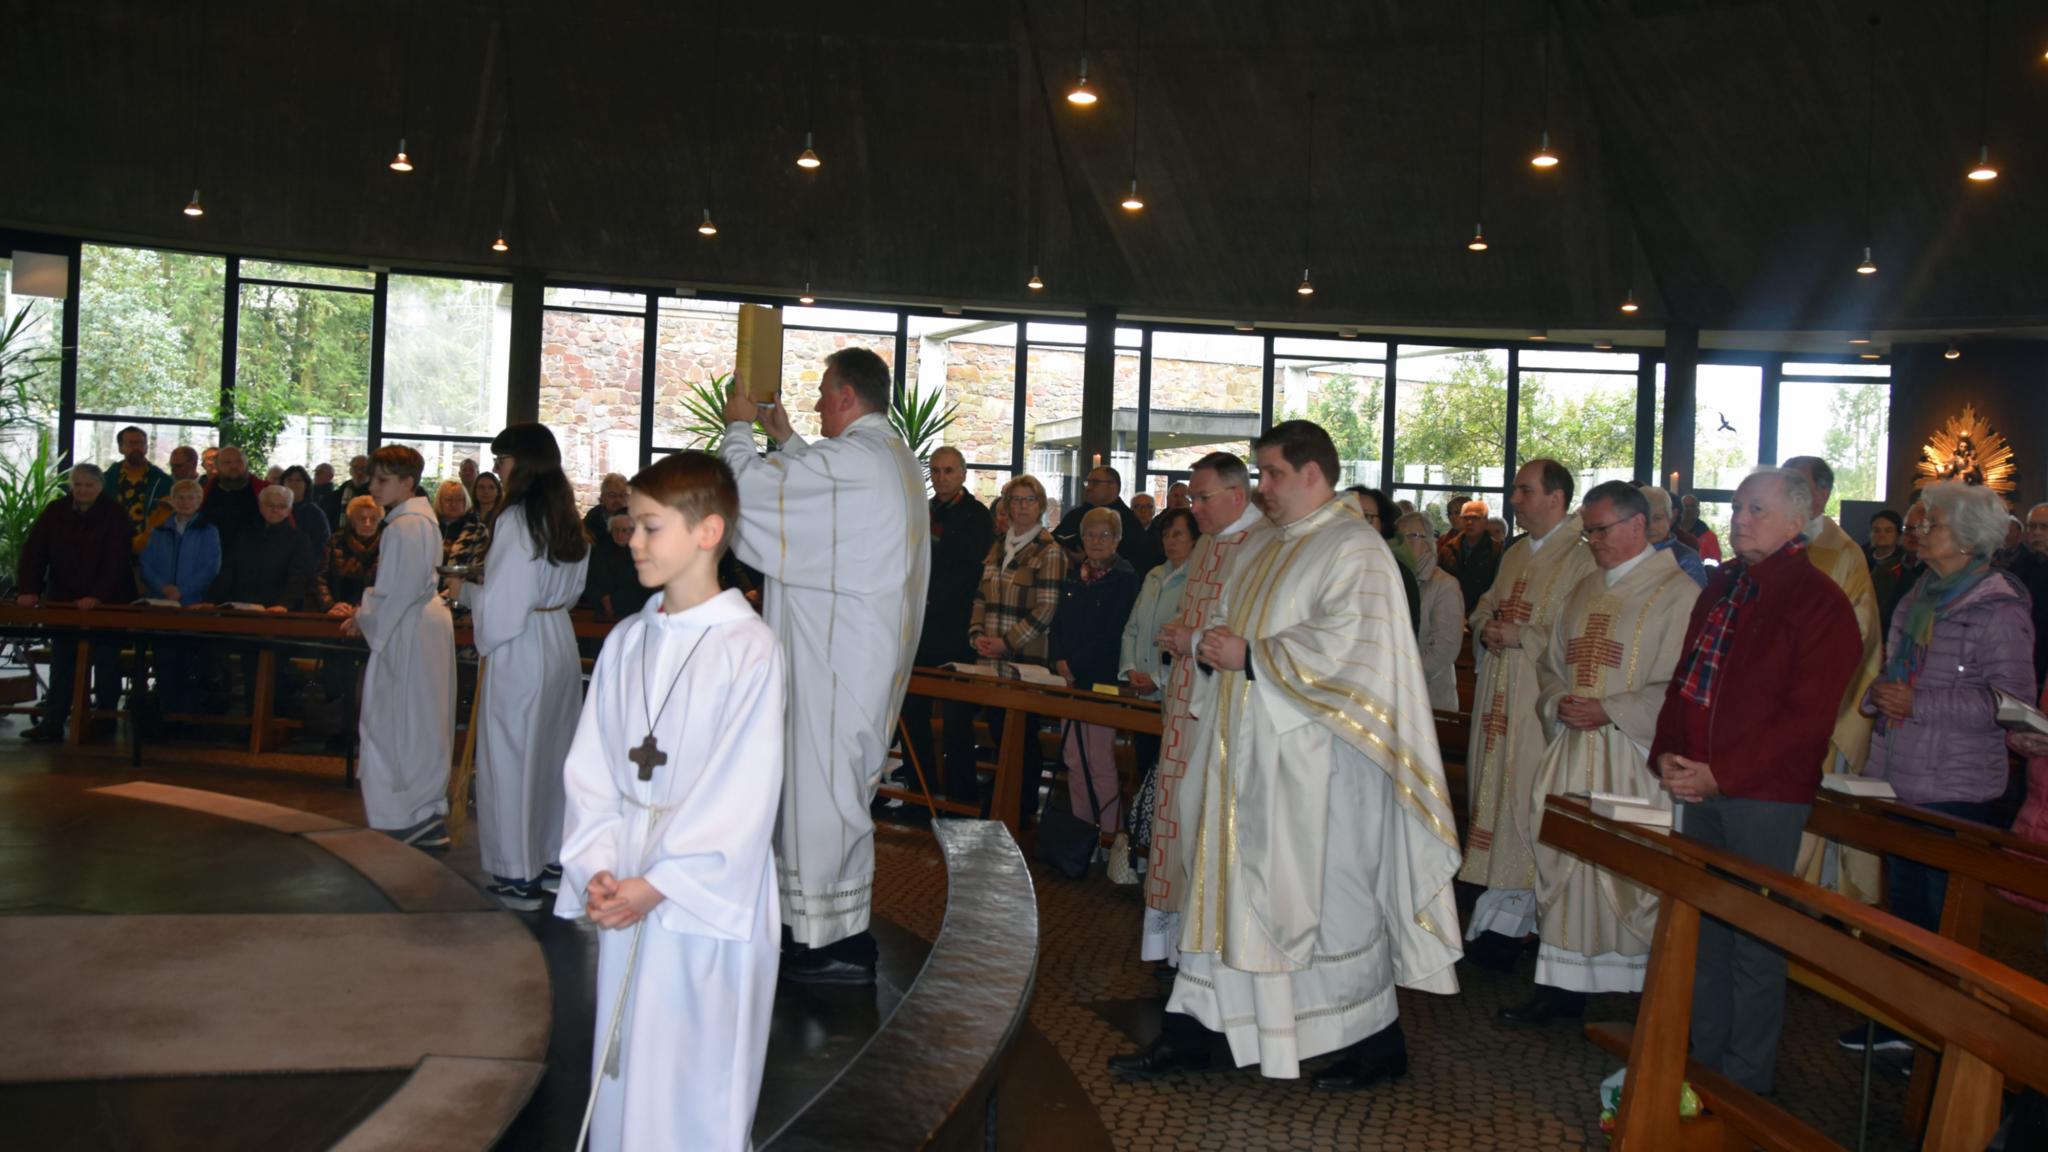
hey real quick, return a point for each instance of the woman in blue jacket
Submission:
(1087, 642)
(180, 563)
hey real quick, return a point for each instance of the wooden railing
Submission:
(1989, 1022)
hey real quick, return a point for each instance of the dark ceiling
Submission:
(1714, 151)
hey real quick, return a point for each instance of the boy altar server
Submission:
(673, 781)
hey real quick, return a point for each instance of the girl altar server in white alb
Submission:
(673, 782)
(532, 673)
(407, 727)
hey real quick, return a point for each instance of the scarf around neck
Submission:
(1937, 596)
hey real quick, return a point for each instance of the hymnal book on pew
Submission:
(1004, 670)
(1628, 809)
(2018, 715)
(1857, 785)
(157, 602)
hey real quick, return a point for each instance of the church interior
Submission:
(1655, 245)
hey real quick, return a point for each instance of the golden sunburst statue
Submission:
(1967, 450)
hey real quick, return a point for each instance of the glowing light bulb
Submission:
(1306, 287)
(401, 162)
(1081, 95)
(1984, 171)
(192, 207)
(808, 158)
(1953, 352)
(1035, 283)
(1629, 305)
(1131, 201)
(1869, 266)
(1544, 157)
(707, 228)
(499, 244)
(1478, 241)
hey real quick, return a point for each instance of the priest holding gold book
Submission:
(1602, 679)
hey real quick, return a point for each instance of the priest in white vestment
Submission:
(840, 530)
(666, 844)
(1510, 629)
(1323, 840)
(407, 727)
(1603, 677)
(532, 679)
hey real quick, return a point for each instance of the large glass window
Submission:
(447, 356)
(1205, 397)
(1341, 385)
(1578, 408)
(973, 365)
(150, 332)
(697, 342)
(1450, 422)
(302, 368)
(28, 412)
(1727, 420)
(590, 363)
(1840, 413)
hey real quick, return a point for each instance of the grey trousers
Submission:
(1738, 988)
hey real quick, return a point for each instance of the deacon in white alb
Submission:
(672, 791)
(1322, 838)
(840, 529)
(1603, 678)
(532, 672)
(407, 728)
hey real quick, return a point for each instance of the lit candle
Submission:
(1674, 481)
(1098, 460)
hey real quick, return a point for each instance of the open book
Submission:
(2018, 715)
(1004, 670)
(1628, 809)
(157, 602)
(1850, 785)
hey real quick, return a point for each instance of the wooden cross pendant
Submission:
(648, 755)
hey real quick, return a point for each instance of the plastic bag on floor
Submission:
(1610, 1101)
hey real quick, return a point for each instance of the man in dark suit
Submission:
(1104, 489)
(962, 533)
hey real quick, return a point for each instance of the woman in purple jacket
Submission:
(1963, 629)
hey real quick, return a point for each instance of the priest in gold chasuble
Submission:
(1603, 678)
(1322, 842)
(1510, 629)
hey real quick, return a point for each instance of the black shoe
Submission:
(1882, 1039)
(1163, 1057)
(551, 877)
(1164, 975)
(44, 732)
(522, 896)
(1357, 1073)
(1546, 1005)
(429, 833)
(816, 966)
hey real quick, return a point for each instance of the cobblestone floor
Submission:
(1471, 1082)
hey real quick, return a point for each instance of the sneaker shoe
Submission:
(551, 878)
(43, 733)
(1881, 1038)
(527, 896)
(429, 833)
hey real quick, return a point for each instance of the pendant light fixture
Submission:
(193, 208)
(1132, 202)
(807, 299)
(1036, 283)
(1307, 287)
(1081, 95)
(808, 158)
(707, 227)
(401, 162)
(1545, 159)
(1952, 352)
(1478, 241)
(1984, 171)
(1629, 305)
(1868, 267)
(499, 244)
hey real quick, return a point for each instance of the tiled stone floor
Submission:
(1471, 1082)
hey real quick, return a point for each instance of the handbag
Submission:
(1066, 843)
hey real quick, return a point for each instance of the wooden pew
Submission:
(1018, 701)
(1977, 858)
(1990, 1022)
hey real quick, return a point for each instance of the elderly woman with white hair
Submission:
(1441, 632)
(1963, 630)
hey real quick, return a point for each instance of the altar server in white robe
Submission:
(532, 672)
(1603, 677)
(1323, 844)
(407, 729)
(840, 529)
(673, 782)
(1510, 628)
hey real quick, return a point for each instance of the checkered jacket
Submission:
(1017, 602)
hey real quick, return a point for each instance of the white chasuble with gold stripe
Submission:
(1323, 842)
(1618, 645)
(1508, 738)
(840, 529)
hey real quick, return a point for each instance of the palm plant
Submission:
(704, 413)
(26, 486)
(921, 418)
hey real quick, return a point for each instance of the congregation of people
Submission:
(1296, 635)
